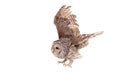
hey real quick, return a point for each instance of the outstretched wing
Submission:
(66, 23)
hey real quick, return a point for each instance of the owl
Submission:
(70, 40)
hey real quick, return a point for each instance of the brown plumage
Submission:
(70, 39)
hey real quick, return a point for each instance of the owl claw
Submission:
(64, 64)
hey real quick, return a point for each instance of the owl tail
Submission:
(86, 37)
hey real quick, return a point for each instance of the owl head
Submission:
(58, 49)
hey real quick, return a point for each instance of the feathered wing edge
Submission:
(66, 23)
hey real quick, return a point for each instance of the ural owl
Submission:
(70, 39)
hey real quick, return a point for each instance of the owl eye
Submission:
(57, 48)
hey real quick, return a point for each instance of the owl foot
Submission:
(62, 61)
(69, 64)
(64, 64)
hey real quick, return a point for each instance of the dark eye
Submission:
(57, 48)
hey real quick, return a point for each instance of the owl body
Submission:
(70, 40)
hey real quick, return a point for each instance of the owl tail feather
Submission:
(86, 37)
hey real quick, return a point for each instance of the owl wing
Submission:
(66, 23)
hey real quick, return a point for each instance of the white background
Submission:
(27, 32)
